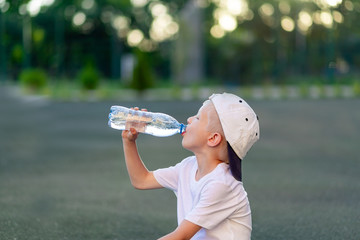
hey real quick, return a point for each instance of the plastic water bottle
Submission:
(156, 124)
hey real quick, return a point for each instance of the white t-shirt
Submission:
(217, 202)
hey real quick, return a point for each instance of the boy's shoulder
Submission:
(185, 165)
(191, 160)
(221, 176)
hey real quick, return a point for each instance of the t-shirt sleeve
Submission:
(217, 203)
(168, 177)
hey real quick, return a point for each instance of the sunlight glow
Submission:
(22, 9)
(147, 45)
(228, 14)
(202, 3)
(4, 6)
(305, 18)
(266, 10)
(288, 24)
(88, 4)
(326, 19)
(79, 19)
(121, 25)
(333, 3)
(34, 6)
(135, 37)
(284, 7)
(227, 22)
(217, 31)
(163, 27)
(237, 7)
(349, 5)
(338, 17)
(158, 9)
(139, 3)
(325, 4)
(316, 17)
(304, 22)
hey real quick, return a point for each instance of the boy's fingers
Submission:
(133, 131)
(137, 109)
(131, 134)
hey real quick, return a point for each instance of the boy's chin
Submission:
(183, 143)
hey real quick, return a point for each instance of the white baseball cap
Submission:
(238, 120)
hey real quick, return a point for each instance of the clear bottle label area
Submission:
(156, 124)
(138, 120)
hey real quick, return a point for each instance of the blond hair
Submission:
(214, 126)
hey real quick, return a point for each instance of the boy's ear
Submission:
(214, 139)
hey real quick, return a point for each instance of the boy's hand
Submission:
(140, 176)
(186, 230)
(132, 134)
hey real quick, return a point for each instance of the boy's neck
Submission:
(206, 164)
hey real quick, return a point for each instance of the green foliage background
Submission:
(254, 53)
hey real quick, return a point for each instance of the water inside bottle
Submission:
(160, 132)
(157, 124)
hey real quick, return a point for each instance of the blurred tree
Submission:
(142, 75)
(89, 78)
(188, 63)
(3, 62)
(33, 79)
(241, 41)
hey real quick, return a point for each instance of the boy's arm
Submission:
(140, 176)
(186, 230)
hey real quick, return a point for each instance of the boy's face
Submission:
(197, 130)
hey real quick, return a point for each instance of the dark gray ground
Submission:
(62, 174)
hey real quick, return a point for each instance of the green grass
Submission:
(115, 90)
(62, 172)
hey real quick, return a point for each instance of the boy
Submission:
(211, 200)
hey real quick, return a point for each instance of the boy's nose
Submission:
(189, 120)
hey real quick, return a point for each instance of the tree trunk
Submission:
(187, 61)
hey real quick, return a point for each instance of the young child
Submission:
(211, 200)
